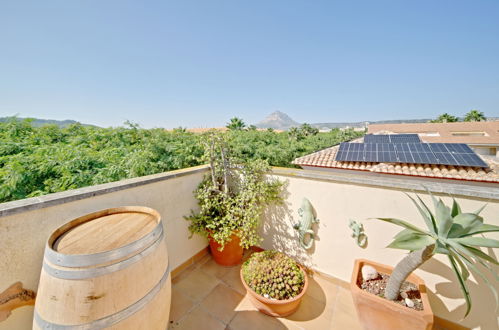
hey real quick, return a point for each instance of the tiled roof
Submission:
(446, 131)
(326, 159)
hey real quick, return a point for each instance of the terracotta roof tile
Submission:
(326, 158)
(447, 132)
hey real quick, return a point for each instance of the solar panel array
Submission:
(415, 153)
(392, 138)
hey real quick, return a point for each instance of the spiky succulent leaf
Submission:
(478, 253)
(405, 232)
(480, 209)
(404, 224)
(452, 232)
(412, 242)
(473, 253)
(443, 219)
(482, 229)
(478, 241)
(464, 271)
(475, 270)
(428, 217)
(462, 284)
(464, 223)
(456, 209)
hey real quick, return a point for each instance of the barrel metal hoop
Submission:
(111, 319)
(80, 274)
(83, 260)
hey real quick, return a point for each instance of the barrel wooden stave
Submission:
(83, 301)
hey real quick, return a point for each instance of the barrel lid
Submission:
(106, 230)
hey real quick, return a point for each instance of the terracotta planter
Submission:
(277, 308)
(378, 313)
(231, 255)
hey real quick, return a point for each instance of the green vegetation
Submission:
(273, 275)
(36, 161)
(472, 115)
(236, 124)
(445, 118)
(232, 196)
(475, 115)
(450, 232)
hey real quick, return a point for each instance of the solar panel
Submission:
(370, 138)
(414, 153)
(458, 154)
(404, 138)
(392, 138)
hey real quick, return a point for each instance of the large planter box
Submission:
(376, 313)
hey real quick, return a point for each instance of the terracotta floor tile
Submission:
(222, 302)
(181, 304)
(184, 273)
(245, 305)
(233, 280)
(212, 268)
(253, 320)
(208, 296)
(321, 289)
(197, 285)
(312, 314)
(344, 313)
(198, 319)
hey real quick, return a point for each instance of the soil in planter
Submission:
(408, 290)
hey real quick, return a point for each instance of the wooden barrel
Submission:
(106, 269)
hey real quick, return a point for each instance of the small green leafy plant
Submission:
(232, 196)
(450, 232)
(273, 275)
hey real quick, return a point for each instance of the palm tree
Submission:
(445, 118)
(295, 134)
(307, 130)
(236, 124)
(475, 115)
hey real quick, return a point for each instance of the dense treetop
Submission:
(39, 160)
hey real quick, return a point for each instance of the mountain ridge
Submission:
(38, 122)
(282, 121)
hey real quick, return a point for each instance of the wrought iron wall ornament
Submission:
(304, 227)
(358, 233)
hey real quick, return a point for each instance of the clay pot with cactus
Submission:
(275, 282)
(450, 232)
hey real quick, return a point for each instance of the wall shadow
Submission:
(279, 233)
(482, 298)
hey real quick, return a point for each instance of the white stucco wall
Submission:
(335, 197)
(23, 235)
(334, 250)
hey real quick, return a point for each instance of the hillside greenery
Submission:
(39, 160)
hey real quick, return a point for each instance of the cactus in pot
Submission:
(450, 232)
(273, 275)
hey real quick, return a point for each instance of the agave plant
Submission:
(449, 231)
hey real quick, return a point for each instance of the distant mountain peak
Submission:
(277, 120)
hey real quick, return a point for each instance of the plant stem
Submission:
(212, 164)
(404, 268)
(225, 168)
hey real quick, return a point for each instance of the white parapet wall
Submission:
(26, 225)
(337, 198)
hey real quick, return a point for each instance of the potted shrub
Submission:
(403, 303)
(275, 283)
(232, 198)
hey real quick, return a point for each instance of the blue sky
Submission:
(198, 63)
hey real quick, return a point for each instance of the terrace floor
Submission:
(209, 296)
